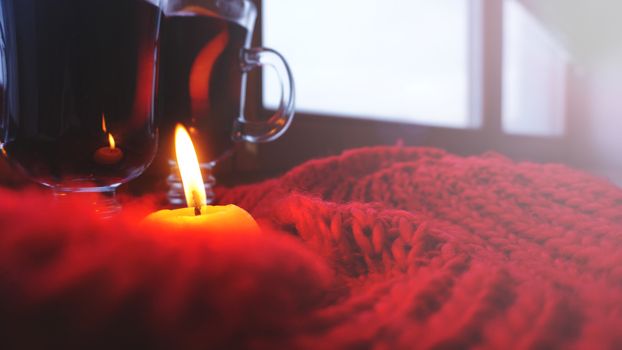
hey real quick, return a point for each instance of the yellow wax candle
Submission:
(212, 219)
(198, 216)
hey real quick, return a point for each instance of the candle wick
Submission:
(197, 203)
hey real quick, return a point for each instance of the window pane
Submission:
(535, 70)
(397, 60)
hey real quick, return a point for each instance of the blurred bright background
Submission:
(426, 63)
(364, 58)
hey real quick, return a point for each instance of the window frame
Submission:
(313, 135)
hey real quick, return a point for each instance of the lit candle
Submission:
(198, 215)
(108, 155)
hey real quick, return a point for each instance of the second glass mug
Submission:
(205, 56)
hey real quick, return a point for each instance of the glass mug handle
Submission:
(279, 122)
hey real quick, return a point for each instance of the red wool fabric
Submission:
(378, 248)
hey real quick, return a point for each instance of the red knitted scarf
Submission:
(379, 248)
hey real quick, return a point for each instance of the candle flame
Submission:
(113, 144)
(104, 123)
(188, 163)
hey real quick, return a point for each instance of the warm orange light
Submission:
(202, 72)
(189, 168)
(108, 155)
(113, 145)
(104, 123)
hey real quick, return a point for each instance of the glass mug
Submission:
(204, 60)
(78, 87)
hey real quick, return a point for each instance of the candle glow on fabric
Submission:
(198, 215)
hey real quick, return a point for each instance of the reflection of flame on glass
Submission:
(108, 155)
(113, 145)
(111, 141)
(104, 123)
(188, 163)
(201, 73)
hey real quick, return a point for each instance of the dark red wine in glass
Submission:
(200, 86)
(200, 79)
(205, 55)
(79, 85)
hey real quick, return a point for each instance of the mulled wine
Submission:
(200, 80)
(205, 58)
(79, 72)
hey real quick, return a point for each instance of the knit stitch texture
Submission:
(378, 248)
(441, 251)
